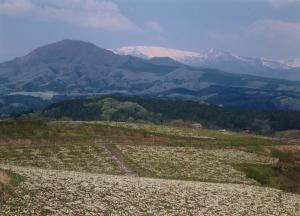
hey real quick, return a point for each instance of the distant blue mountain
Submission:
(71, 68)
(222, 60)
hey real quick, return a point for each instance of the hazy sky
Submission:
(258, 28)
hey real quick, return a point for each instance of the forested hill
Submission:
(119, 108)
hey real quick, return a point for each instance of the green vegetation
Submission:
(135, 109)
(286, 178)
(285, 174)
(113, 110)
(221, 117)
(26, 129)
(106, 109)
(212, 165)
(204, 138)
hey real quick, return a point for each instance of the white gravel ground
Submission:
(56, 192)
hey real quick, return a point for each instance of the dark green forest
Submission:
(119, 108)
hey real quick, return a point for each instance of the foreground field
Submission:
(51, 192)
(109, 168)
(191, 163)
(77, 157)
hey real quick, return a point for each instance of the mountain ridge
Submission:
(222, 60)
(76, 68)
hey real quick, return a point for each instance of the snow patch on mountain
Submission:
(205, 57)
(293, 63)
(154, 51)
(274, 64)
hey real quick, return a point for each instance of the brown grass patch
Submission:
(4, 179)
(15, 141)
(289, 148)
(4, 184)
(294, 140)
(289, 132)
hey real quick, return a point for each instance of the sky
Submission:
(255, 28)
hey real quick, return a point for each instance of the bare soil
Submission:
(4, 178)
(15, 141)
(294, 140)
(117, 157)
(289, 148)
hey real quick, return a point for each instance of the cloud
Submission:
(88, 13)
(283, 3)
(15, 7)
(276, 37)
(154, 26)
(275, 29)
(269, 38)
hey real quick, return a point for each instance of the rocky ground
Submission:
(56, 192)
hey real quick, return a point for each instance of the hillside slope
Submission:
(74, 68)
(76, 168)
(154, 110)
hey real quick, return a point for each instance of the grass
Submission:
(190, 137)
(130, 133)
(284, 175)
(273, 176)
(213, 165)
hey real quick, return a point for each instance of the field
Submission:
(109, 168)
(77, 157)
(192, 164)
(74, 193)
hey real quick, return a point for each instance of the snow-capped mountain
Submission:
(226, 61)
(71, 68)
(153, 51)
(293, 63)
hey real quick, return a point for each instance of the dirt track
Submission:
(117, 157)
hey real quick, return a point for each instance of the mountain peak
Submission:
(68, 45)
(219, 59)
(70, 51)
(73, 68)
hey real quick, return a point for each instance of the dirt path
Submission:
(117, 157)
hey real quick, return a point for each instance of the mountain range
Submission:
(71, 68)
(222, 60)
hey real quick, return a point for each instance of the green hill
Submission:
(131, 109)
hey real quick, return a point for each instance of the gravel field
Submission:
(75, 157)
(108, 168)
(53, 192)
(193, 163)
